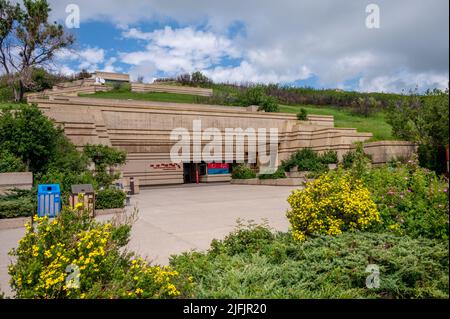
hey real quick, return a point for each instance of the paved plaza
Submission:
(182, 218)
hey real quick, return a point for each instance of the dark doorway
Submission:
(190, 174)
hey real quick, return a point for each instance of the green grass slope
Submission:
(375, 124)
(150, 96)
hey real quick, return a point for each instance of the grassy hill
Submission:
(151, 96)
(375, 123)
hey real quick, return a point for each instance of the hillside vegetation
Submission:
(374, 123)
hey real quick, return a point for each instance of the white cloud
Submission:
(174, 51)
(93, 55)
(403, 81)
(110, 67)
(285, 40)
(88, 59)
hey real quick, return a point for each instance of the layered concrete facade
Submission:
(143, 130)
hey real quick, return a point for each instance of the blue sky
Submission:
(322, 43)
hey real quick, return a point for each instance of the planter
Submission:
(297, 174)
(293, 169)
(270, 182)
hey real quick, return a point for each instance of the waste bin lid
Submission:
(82, 188)
(48, 188)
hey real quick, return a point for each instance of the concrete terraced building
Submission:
(143, 129)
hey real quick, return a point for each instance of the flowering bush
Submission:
(411, 200)
(73, 256)
(330, 205)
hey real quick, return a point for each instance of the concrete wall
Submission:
(385, 151)
(109, 76)
(15, 180)
(85, 86)
(215, 178)
(143, 130)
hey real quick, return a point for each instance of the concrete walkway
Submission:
(172, 220)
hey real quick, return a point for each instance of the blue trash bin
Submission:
(49, 200)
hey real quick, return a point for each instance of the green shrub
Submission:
(279, 173)
(365, 106)
(302, 115)
(18, 203)
(18, 207)
(256, 96)
(269, 104)
(74, 241)
(248, 237)
(277, 266)
(424, 120)
(110, 198)
(104, 158)
(306, 160)
(348, 159)
(329, 157)
(201, 80)
(6, 93)
(121, 87)
(357, 160)
(410, 199)
(10, 163)
(242, 171)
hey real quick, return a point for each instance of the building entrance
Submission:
(193, 171)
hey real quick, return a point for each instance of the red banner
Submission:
(219, 165)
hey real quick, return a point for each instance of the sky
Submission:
(317, 43)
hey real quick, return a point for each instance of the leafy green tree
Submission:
(105, 159)
(30, 136)
(10, 163)
(199, 79)
(28, 40)
(257, 96)
(424, 119)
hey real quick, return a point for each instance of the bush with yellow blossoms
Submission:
(333, 203)
(74, 256)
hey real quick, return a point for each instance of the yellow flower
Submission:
(139, 291)
(328, 204)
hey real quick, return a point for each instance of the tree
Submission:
(199, 79)
(28, 40)
(104, 158)
(257, 96)
(10, 163)
(9, 15)
(30, 136)
(424, 119)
